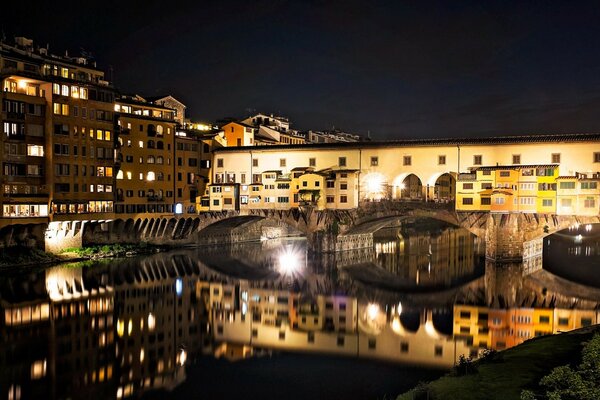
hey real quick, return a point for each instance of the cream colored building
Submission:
(415, 169)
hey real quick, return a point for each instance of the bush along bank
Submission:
(112, 250)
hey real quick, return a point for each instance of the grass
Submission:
(106, 250)
(503, 375)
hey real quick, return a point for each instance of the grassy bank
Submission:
(111, 250)
(503, 375)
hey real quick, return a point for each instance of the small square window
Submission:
(312, 162)
(282, 162)
(342, 161)
(477, 159)
(407, 160)
(255, 162)
(442, 160)
(374, 161)
(219, 163)
(516, 159)
(555, 158)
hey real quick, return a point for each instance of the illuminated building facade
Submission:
(145, 182)
(498, 329)
(514, 188)
(523, 177)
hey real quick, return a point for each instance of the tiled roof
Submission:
(557, 138)
(505, 167)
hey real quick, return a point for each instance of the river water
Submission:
(272, 320)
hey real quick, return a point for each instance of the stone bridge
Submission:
(507, 236)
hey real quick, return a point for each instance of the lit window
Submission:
(35, 150)
(141, 144)
(64, 90)
(150, 176)
(75, 92)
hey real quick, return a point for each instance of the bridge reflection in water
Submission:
(422, 295)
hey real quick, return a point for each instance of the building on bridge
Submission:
(521, 175)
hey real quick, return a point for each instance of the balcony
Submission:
(154, 198)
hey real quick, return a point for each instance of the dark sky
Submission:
(401, 69)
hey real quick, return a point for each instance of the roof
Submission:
(168, 96)
(278, 171)
(556, 138)
(514, 167)
(301, 169)
(238, 123)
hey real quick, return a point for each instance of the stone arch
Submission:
(441, 187)
(408, 186)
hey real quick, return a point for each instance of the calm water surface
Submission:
(272, 320)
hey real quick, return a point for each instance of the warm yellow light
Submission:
(151, 322)
(129, 327)
(374, 184)
(372, 311)
(150, 176)
(182, 357)
(22, 84)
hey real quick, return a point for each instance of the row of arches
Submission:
(440, 187)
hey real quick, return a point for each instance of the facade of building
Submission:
(145, 169)
(76, 150)
(509, 188)
(429, 170)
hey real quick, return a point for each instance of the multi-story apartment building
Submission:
(58, 129)
(145, 180)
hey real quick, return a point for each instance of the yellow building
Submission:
(472, 323)
(578, 194)
(511, 188)
(238, 134)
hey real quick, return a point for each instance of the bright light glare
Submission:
(289, 262)
(399, 308)
(372, 311)
(182, 357)
(374, 183)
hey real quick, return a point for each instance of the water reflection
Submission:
(127, 327)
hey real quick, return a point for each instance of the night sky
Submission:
(396, 70)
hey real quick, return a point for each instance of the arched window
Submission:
(160, 160)
(151, 144)
(150, 176)
(150, 160)
(120, 174)
(159, 130)
(151, 130)
(160, 145)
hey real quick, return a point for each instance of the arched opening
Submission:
(408, 187)
(441, 188)
(160, 145)
(151, 144)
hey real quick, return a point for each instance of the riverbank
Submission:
(504, 375)
(24, 257)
